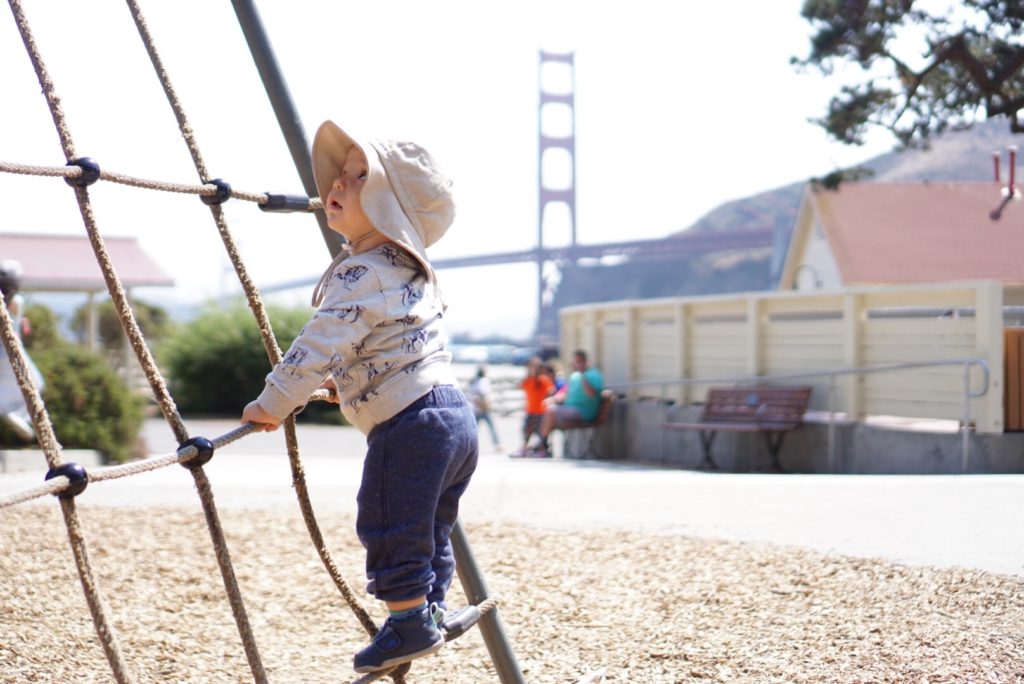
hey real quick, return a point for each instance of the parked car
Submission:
(469, 353)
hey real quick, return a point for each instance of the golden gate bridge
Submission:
(554, 145)
(686, 244)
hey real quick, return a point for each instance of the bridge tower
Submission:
(556, 172)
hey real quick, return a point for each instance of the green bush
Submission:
(88, 404)
(45, 328)
(216, 363)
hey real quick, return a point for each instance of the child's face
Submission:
(344, 211)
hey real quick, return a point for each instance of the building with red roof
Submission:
(903, 233)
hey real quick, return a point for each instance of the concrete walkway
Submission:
(970, 521)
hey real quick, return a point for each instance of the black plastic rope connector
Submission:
(285, 203)
(90, 172)
(78, 479)
(223, 193)
(203, 446)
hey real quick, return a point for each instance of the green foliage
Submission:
(832, 180)
(88, 404)
(217, 362)
(153, 321)
(923, 70)
(44, 326)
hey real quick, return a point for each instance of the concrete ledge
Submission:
(635, 433)
(28, 460)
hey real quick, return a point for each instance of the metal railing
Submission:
(832, 375)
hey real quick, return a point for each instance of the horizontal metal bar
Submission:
(749, 379)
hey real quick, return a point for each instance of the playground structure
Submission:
(68, 480)
(190, 453)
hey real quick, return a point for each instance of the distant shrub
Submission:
(43, 328)
(216, 363)
(88, 404)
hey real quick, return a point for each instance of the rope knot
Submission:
(90, 172)
(78, 479)
(222, 194)
(202, 449)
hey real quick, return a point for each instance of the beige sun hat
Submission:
(406, 195)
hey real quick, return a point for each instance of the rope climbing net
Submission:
(68, 480)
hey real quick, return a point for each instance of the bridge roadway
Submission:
(666, 247)
(679, 245)
(968, 521)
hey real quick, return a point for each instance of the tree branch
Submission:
(1011, 106)
(1010, 68)
(959, 52)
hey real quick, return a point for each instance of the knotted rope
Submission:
(40, 419)
(207, 190)
(183, 455)
(163, 398)
(266, 332)
(77, 177)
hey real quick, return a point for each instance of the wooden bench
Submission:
(586, 431)
(771, 410)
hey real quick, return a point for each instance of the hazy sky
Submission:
(678, 109)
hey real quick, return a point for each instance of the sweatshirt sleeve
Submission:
(353, 304)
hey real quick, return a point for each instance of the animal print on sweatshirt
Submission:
(377, 333)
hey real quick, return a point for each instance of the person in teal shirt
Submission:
(578, 401)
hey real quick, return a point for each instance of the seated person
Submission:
(537, 387)
(579, 401)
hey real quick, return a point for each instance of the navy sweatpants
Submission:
(417, 466)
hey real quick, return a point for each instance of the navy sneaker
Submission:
(399, 641)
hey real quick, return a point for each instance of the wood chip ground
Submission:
(642, 608)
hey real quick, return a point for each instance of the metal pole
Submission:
(831, 424)
(966, 437)
(280, 99)
(490, 624)
(127, 357)
(93, 339)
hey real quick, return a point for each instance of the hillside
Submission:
(956, 156)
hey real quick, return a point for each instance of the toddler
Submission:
(376, 341)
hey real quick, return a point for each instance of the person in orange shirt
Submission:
(537, 386)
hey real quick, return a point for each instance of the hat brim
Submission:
(331, 146)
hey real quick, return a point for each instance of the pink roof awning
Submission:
(67, 263)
